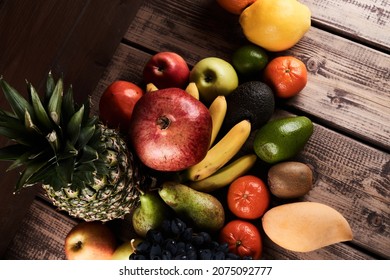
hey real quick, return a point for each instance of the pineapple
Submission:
(85, 168)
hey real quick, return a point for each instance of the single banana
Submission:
(151, 87)
(226, 175)
(217, 111)
(192, 89)
(220, 153)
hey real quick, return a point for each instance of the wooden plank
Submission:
(351, 177)
(73, 38)
(339, 251)
(349, 82)
(41, 235)
(367, 21)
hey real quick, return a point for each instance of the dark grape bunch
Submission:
(175, 241)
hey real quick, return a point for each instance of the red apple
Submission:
(166, 69)
(170, 130)
(90, 241)
(117, 103)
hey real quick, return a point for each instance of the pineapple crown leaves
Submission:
(56, 141)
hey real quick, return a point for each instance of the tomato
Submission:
(286, 75)
(248, 197)
(117, 103)
(243, 238)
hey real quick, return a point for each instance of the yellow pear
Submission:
(275, 25)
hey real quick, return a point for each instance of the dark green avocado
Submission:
(254, 101)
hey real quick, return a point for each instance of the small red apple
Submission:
(117, 103)
(90, 241)
(166, 69)
(170, 130)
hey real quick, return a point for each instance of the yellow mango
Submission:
(305, 226)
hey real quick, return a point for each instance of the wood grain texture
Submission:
(339, 251)
(73, 38)
(348, 84)
(41, 235)
(367, 21)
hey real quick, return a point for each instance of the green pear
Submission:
(149, 214)
(123, 251)
(202, 209)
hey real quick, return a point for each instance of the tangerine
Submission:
(286, 75)
(235, 6)
(248, 197)
(243, 239)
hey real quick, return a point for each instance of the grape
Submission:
(166, 255)
(206, 237)
(166, 227)
(224, 247)
(232, 256)
(171, 246)
(155, 251)
(143, 247)
(214, 245)
(187, 234)
(175, 240)
(219, 255)
(191, 254)
(181, 247)
(181, 256)
(197, 240)
(154, 236)
(205, 254)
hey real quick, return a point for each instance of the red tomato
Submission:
(248, 197)
(117, 103)
(243, 238)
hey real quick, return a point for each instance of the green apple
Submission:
(123, 251)
(213, 76)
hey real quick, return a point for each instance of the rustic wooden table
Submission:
(347, 97)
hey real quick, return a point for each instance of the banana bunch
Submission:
(215, 170)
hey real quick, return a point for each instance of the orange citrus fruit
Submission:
(286, 75)
(243, 238)
(235, 6)
(248, 197)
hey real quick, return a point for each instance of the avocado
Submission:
(253, 100)
(281, 139)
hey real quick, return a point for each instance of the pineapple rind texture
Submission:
(86, 168)
(116, 198)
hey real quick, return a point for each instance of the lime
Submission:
(249, 60)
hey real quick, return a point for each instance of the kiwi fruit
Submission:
(290, 179)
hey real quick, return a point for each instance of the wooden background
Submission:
(348, 98)
(75, 39)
